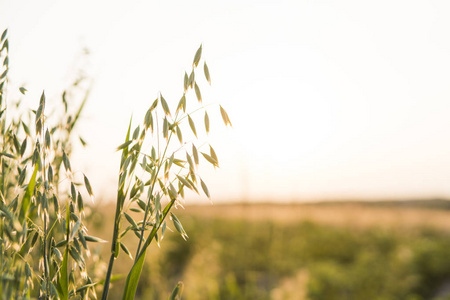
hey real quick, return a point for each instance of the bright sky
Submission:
(328, 99)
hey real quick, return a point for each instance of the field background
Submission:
(343, 250)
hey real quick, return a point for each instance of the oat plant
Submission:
(43, 241)
(157, 166)
(44, 244)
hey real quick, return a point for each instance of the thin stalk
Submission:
(46, 271)
(46, 219)
(194, 111)
(120, 200)
(154, 181)
(131, 284)
(119, 205)
(155, 229)
(1, 223)
(1, 255)
(151, 193)
(113, 246)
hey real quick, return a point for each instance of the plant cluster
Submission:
(236, 258)
(43, 240)
(164, 174)
(44, 243)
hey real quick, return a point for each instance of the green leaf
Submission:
(53, 291)
(191, 79)
(77, 257)
(206, 122)
(26, 129)
(82, 239)
(23, 147)
(22, 175)
(63, 282)
(186, 82)
(192, 125)
(47, 139)
(7, 155)
(16, 143)
(75, 229)
(178, 226)
(153, 154)
(27, 270)
(41, 107)
(5, 45)
(137, 210)
(195, 154)
(125, 164)
(61, 243)
(125, 249)
(64, 100)
(184, 181)
(206, 70)
(130, 220)
(213, 154)
(148, 120)
(133, 278)
(124, 145)
(165, 128)
(177, 291)
(164, 105)
(27, 197)
(80, 202)
(197, 57)
(154, 104)
(173, 194)
(23, 90)
(197, 93)
(225, 118)
(82, 141)
(94, 239)
(66, 162)
(73, 194)
(5, 32)
(87, 184)
(141, 204)
(179, 135)
(136, 133)
(182, 103)
(85, 287)
(191, 163)
(214, 162)
(205, 189)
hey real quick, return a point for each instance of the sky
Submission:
(328, 99)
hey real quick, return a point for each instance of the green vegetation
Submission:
(170, 167)
(43, 239)
(47, 253)
(241, 259)
(44, 248)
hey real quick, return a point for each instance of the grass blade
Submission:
(133, 278)
(177, 291)
(27, 197)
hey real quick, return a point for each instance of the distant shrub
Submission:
(253, 259)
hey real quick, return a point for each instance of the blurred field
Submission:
(361, 215)
(299, 251)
